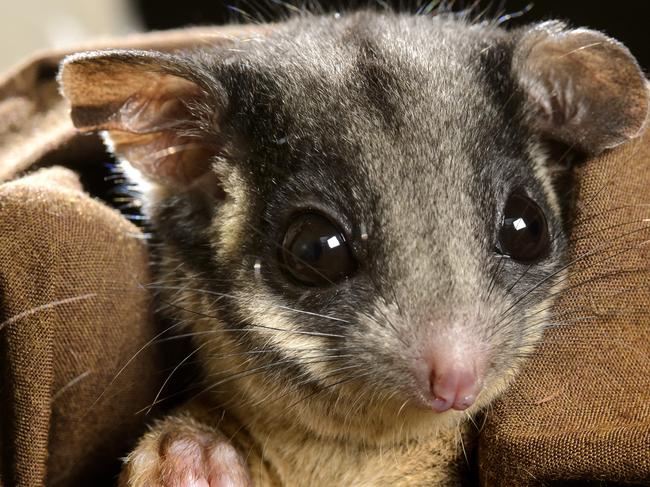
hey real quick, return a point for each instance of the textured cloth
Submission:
(73, 313)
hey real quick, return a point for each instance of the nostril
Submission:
(443, 390)
(454, 388)
(441, 405)
(464, 402)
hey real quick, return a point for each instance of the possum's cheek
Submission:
(383, 352)
(273, 325)
(439, 365)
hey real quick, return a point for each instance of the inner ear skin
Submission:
(148, 103)
(584, 88)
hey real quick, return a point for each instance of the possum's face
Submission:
(365, 204)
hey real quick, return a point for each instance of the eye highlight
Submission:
(524, 234)
(315, 251)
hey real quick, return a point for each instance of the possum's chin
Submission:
(386, 427)
(372, 424)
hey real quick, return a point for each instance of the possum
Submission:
(361, 227)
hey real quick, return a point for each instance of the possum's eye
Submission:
(524, 232)
(315, 252)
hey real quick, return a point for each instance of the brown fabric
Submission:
(581, 409)
(72, 314)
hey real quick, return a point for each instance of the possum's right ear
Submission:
(146, 105)
(586, 89)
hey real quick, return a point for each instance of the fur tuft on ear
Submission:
(142, 102)
(587, 89)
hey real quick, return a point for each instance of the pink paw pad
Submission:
(186, 457)
(201, 460)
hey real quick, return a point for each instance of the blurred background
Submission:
(27, 26)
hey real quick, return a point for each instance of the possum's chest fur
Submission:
(284, 457)
(298, 462)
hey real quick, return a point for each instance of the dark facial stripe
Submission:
(380, 87)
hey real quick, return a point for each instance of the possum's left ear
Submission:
(587, 89)
(145, 104)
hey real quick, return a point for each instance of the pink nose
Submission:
(454, 387)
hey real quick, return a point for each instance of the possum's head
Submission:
(362, 210)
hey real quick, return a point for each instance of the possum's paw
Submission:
(182, 453)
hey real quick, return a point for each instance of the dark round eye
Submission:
(524, 232)
(314, 251)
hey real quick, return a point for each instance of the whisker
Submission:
(327, 387)
(225, 295)
(43, 307)
(250, 326)
(296, 386)
(576, 260)
(179, 365)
